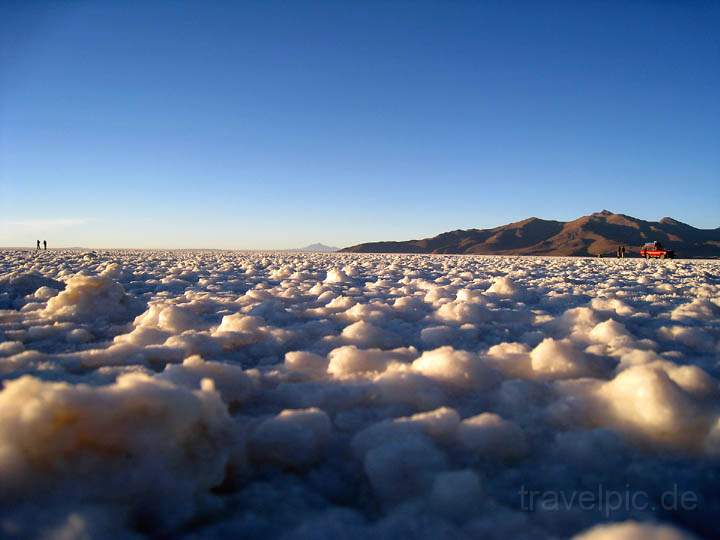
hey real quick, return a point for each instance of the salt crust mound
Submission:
(203, 395)
(140, 443)
(293, 438)
(503, 286)
(90, 298)
(633, 531)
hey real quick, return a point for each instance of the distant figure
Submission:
(45, 244)
(619, 252)
(38, 244)
(622, 252)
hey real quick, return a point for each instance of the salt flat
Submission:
(211, 394)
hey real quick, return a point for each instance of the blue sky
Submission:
(278, 124)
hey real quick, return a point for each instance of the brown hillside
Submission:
(598, 233)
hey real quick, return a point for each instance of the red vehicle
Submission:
(654, 250)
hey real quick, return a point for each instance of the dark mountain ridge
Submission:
(596, 234)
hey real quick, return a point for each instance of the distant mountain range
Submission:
(598, 233)
(318, 248)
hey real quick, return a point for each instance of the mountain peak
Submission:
(318, 247)
(597, 234)
(670, 221)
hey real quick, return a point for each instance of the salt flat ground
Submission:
(201, 394)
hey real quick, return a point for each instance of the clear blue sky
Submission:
(278, 124)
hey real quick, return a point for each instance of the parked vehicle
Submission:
(654, 250)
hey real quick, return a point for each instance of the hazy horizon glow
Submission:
(277, 125)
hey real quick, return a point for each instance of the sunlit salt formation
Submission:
(692, 337)
(699, 309)
(512, 359)
(633, 531)
(554, 359)
(89, 299)
(458, 368)
(336, 275)
(235, 385)
(204, 395)
(460, 312)
(169, 318)
(503, 286)
(648, 402)
(368, 334)
(310, 364)
(141, 442)
(349, 360)
(238, 330)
